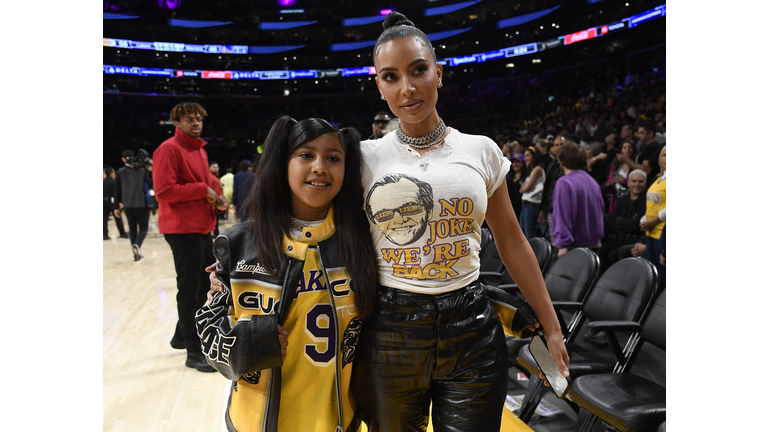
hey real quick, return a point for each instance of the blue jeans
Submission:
(652, 251)
(529, 217)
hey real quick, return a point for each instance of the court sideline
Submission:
(146, 386)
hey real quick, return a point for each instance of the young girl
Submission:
(532, 190)
(300, 271)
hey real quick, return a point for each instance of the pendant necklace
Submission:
(423, 164)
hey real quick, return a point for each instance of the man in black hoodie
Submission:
(132, 183)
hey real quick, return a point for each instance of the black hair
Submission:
(127, 154)
(649, 127)
(573, 138)
(269, 203)
(536, 157)
(615, 162)
(185, 108)
(397, 26)
(244, 165)
(108, 170)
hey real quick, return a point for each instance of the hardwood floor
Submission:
(146, 386)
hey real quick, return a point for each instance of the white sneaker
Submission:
(137, 253)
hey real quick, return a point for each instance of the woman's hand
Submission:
(216, 285)
(282, 335)
(558, 352)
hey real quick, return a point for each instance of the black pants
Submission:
(609, 254)
(447, 349)
(191, 254)
(118, 222)
(138, 224)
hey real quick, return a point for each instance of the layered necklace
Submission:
(425, 141)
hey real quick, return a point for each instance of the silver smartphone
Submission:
(560, 384)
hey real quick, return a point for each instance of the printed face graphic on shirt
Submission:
(400, 206)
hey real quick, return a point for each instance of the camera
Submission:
(140, 160)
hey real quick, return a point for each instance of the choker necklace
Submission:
(296, 224)
(421, 142)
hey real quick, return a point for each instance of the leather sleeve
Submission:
(250, 345)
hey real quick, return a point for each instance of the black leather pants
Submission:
(446, 349)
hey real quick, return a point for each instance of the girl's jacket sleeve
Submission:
(235, 346)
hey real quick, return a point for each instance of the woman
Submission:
(515, 179)
(301, 271)
(434, 337)
(532, 190)
(618, 173)
(656, 215)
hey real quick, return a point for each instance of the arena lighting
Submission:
(362, 20)
(278, 25)
(108, 15)
(522, 19)
(170, 4)
(176, 47)
(385, 11)
(441, 10)
(519, 50)
(285, 2)
(195, 23)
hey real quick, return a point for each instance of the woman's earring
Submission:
(382, 97)
(439, 83)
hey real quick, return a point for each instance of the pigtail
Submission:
(352, 227)
(269, 199)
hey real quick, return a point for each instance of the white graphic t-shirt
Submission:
(425, 212)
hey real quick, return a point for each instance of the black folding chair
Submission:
(628, 402)
(568, 282)
(619, 301)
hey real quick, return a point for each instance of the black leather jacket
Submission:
(250, 350)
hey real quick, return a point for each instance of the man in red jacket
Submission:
(188, 205)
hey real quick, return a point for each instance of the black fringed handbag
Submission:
(516, 315)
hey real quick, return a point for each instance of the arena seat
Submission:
(491, 266)
(619, 302)
(568, 282)
(628, 402)
(544, 252)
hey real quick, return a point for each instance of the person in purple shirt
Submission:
(577, 216)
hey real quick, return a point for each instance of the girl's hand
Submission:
(216, 285)
(282, 335)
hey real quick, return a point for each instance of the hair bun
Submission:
(396, 19)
